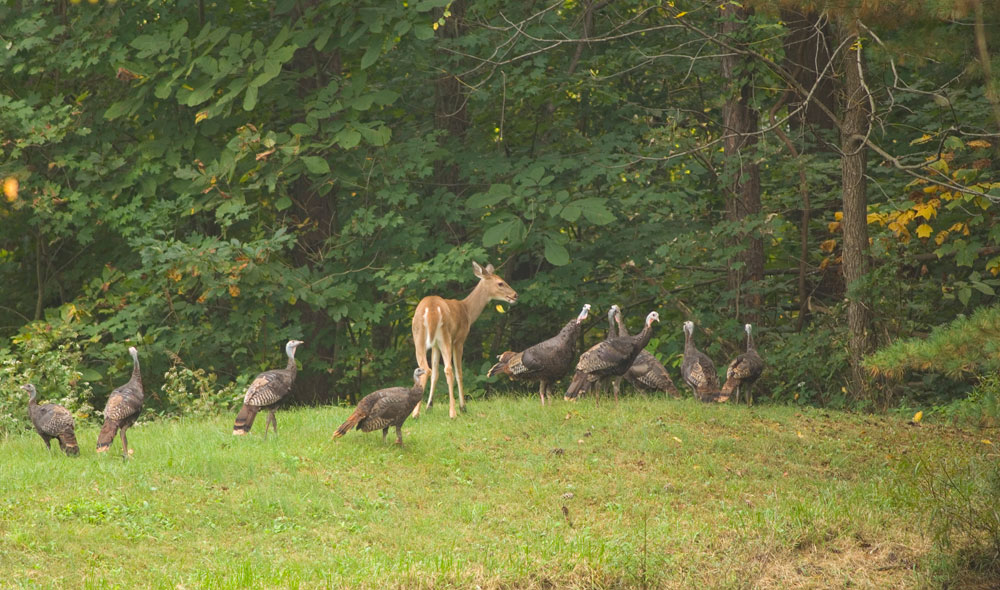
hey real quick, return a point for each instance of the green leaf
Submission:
(200, 95)
(118, 109)
(283, 203)
(556, 254)
(316, 165)
(954, 143)
(377, 137)
(496, 194)
(250, 98)
(497, 233)
(423, 32)
(964, 294)
(373, 52)
(90, 375)
(595, 210)
(571, 212)
(348, 138)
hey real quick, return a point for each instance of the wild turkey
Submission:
(52, 421)
(385, 408)
(646, 372)
(744, 370)
(266, 391)
(610, 358)
(544, 362)
(698, 370)
(122, 409)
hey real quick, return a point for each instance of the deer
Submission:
(442, 325)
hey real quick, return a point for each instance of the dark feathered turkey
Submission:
(544, 362)
(744, 370)
(646, 372)
(698, 370)
(384, 408)
(610, 358)
(52, 422)
(122, 408)
(266, 391)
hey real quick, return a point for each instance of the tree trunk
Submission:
(807, 55)
(855, 104)
(450, 104)
(742, 176)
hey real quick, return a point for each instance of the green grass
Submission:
(657, 493)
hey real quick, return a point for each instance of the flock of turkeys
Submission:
(619, 356)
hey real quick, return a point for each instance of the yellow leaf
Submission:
(435, 25)
(828, 245)
(200, 116)
(917, 417)
(924, 230)
(680, 14)
(941, 237)
(978, 143)
(931, 189)
(234, 290)
(876, 218)
(925, 210)
(922, 139)
(500, 309)
(839, 215)
(677, 439)
(986, 441)
(10, 186)
(833, 226)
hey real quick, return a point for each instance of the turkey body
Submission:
(698, 370)
(384, 408)
(646, 372)
(544, 362)
(609, 358)
(745, 369)
(266, 391)
(52, 422)
(122, 409)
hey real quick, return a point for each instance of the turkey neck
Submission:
(136, 375)
(750, 342)
(642, 338)
(290, 365)
(688, 343)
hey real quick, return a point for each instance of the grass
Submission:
(650, 493)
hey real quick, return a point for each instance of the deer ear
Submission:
(476, 269)
(489, 269)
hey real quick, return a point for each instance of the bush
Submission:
(188, 392)
(47, 354)
(965, 512)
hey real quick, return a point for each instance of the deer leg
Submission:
(449, 375)
(457, 364)
(435, 360)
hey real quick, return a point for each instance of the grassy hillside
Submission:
(648, 493)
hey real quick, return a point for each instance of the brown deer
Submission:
(442, 325)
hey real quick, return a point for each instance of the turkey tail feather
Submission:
(576, 386)
(67, 442)
(501, 366)
(107, 435)
(348, 424)
(244, 419)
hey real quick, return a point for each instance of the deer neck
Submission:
(476, 302)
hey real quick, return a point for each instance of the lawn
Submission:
(649, 493)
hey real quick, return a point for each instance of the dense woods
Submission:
(206, 180)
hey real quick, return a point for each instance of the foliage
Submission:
(212, 179)
(48, 355)
(966, 347)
